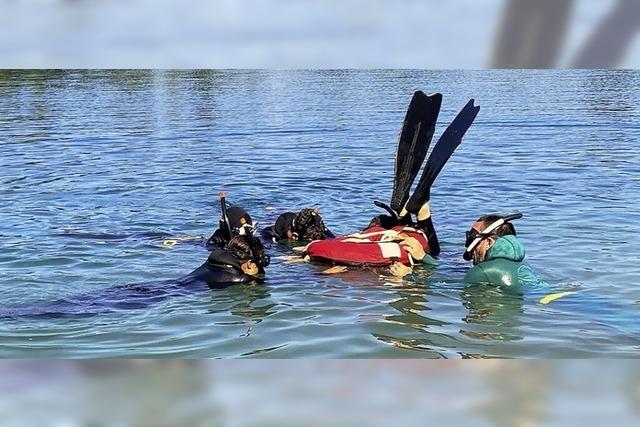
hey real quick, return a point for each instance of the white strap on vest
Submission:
(390, 249)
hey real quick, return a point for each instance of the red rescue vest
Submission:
(373, 246)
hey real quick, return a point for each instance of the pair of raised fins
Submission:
(413, 145)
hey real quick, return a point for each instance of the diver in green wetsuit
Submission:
(497, 254)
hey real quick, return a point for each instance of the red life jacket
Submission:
(373, 246)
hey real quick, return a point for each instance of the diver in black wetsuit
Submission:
(307, 225)
(237, 256)
(243, 261)
(235, 221)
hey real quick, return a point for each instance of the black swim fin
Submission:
(413, 144)
(442, 151)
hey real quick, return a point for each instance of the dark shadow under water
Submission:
(117, 298)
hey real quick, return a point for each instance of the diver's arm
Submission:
(429, 260)
(425, 224)
(428, 228)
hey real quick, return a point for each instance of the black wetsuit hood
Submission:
(300, 224)
(238, 217)
(224, 267)
(282, 226)
(222, 257)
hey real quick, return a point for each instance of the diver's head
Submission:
(251, 254)
(483, 234)
(385, 221)
(239, 221)
(306, 225)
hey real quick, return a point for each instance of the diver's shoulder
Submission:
(477, 275)
(502, 272)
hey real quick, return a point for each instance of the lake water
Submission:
(97, 168)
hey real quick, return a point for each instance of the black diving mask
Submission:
(474, 237)
(245, 230)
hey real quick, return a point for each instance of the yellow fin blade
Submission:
(169, 243)
(552, 297)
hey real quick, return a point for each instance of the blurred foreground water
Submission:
(319, 393)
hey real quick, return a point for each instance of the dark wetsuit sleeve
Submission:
(217, 240)
(220, 256)
(329, 234)
(432, 237)
(269, 234)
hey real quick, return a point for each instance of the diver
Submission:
(235, 221)
(242, 257)
(307, 225)
(241, 261)
(497, 254)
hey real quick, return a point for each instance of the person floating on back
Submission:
(395, 239)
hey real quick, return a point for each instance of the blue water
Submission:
(97, 168)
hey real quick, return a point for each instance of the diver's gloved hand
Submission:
(424, 213)
(413, 248)
(400, 270)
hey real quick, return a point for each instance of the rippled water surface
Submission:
(97, 168)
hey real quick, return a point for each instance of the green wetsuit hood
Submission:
(504, 266)
(506, 247)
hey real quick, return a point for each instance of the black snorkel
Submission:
(509, 218)
(225, 219)
(388, 221)
(388, 209)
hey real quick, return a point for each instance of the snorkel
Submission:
(387, 221)
(223, 209)
(474, 237)
(387, 208)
